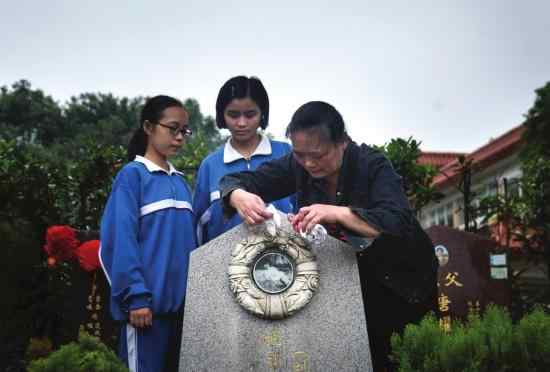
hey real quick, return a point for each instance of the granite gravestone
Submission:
(465, 284)
(327, 334)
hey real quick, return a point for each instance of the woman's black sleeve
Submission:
(272, 180)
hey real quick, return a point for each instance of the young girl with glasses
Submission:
(147, 233)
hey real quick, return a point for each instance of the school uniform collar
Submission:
(230, 154)
(152, 167)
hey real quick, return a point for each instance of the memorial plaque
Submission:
(466, 282)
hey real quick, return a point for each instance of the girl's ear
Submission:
(148, 127)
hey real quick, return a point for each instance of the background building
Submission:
(495, 167)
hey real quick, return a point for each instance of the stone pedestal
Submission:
(328, 334)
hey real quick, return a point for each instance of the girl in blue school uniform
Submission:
(242, 107)
(147, 233)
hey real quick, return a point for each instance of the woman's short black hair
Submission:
(242, 87)
(152, 112)
(321, 116)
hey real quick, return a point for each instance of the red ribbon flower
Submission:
(61, 243)
(88, 255)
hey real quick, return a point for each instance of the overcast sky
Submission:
(452, 74)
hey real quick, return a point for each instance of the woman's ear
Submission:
(345, 143)
(147, 127)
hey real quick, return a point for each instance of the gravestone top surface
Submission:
(328, 334)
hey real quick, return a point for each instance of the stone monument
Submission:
(257, 302)
(465, 285)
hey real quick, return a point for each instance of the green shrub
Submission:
(88, 354)
(490, 343)
(533, 341)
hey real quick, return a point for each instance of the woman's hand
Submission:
(250, 207)
(141, 318)
(308, 217)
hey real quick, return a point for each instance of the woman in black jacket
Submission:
(354, 192)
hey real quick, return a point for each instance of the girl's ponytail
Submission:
(137, 144)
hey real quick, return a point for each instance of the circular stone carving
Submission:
(273, 276)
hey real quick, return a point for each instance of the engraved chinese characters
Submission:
(273, 276)
(277, 359)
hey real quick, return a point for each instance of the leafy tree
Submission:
(417, 178)
(204, 127)
(537, 124)
(536, 167)
(525, 216)
(205, 139)
(29, 115)
(90, 184)
(103, 118)
(29, 179)
(190, 157)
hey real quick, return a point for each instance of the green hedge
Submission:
(490, 343)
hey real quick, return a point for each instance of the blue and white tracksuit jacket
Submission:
(206, 201)
(147, 233)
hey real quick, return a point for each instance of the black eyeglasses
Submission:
(174, 131)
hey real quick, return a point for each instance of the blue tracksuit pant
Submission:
(151, 349)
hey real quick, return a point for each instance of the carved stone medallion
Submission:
(273, 276)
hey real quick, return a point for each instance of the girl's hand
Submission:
(250, 207)
(141, 318)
